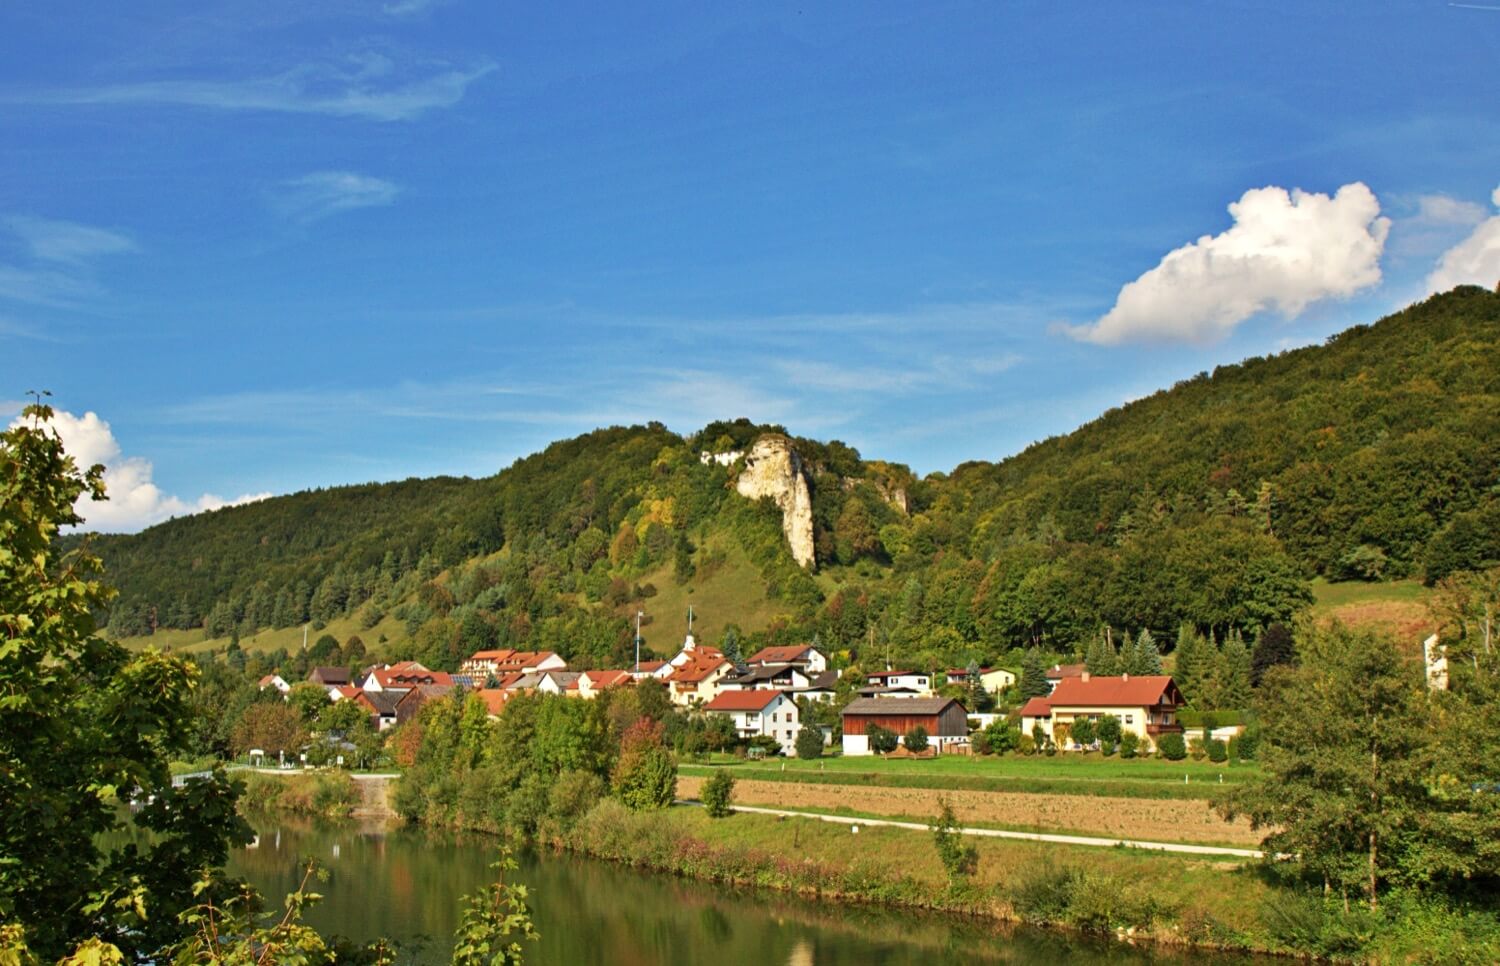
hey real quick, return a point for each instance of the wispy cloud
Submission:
(66, 241)
(58, 255)
(315, 196)
(360, 87)
(408, 8)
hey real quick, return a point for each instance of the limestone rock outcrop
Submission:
(773, 469)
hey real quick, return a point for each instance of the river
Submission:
(407, 885)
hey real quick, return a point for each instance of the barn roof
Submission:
(900, 707)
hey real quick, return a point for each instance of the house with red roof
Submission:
(753, 713)
(398, 679)
(696, 680)
(275, 681)
(590, 683)
(1057, 672)
(1145, 705)
(651, 669)
(804, 656)
(506, 660)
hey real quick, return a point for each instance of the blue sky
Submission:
(282, 245)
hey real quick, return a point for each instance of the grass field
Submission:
(1397, 606)
(1150, 819)
(1060, 775)
(728, 592)
(192, 641)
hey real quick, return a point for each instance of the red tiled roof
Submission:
(698, 669)
(405, 678)
(1037, 708)
(1058, 671)
(647, 667)
(1115, 692)
(494, 698)
(742, 701)
(607, 679)
(779, 655)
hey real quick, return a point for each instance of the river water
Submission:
(407, 885)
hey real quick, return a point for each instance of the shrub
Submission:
(1246, 745)
(916, 740)
(1196, 751)
(1130, 744)
(882, 740)
(1108, 732)
(810, 742)
(958, 857)
(717, 793)
(1217, 750)
(1003, 736)
(1085, 732)
(573, 794)
(980, 743)
(1172, 747)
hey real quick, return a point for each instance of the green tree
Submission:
(308, 700)
(80, 715)
(1234, 674)
(1084, 732)
(1033, 682)
(883, 741)
(1108, 731)
(959, 858)
(1130, 744)
(810, 742)
(645, 777)
(1100, 658)
(1343, 752)
(916, 740)
(1173, 746)
(718, 793)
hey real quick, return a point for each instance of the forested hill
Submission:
(1210, 503)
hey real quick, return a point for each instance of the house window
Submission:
(1130, 719)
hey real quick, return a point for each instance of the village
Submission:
(765, 699)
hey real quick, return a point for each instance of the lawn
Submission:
(730, 591)
(192, 640)
(1062, 774)
(1397, 606)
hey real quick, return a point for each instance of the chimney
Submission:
(1084, 677)
(1125, 676)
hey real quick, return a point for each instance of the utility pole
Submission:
(304, 637)
(638, 615)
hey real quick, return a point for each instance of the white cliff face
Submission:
(773, 469)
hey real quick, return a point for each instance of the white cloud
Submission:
(1446, 210)
(361, 87)
(133, 500)
(315, 196)
(1473, 261)
(1284, 251)
(67, 241)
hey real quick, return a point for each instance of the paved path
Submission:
(996, 833)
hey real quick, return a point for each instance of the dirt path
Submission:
(1144, 819)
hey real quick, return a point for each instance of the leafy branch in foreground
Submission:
(495, 916)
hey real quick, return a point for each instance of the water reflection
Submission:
(407, 884)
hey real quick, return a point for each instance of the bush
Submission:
(810, 742)
(882, 740)
(1108, 732)
(980, 743)
(1172, 746)
(574, 794)
(1195, 748)
(1084, 732)
(916, 740)
(1217, 750)
(959, 858)
(717, 793)
(1245, 745)
(1003, 736)
(1130, 744)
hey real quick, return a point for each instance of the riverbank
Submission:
(1134, 896)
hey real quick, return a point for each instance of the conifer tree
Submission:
(1033, 683)
(1143, 657)
(1234, 673)
(1194, 665)
(1100, 656)
(1273, 646)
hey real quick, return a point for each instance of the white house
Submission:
(914, 680)
(804, 656)
(275, 681)
(754, 713)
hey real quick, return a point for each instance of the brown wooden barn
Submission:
(945, 720)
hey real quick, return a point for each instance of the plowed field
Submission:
(1138, 818)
